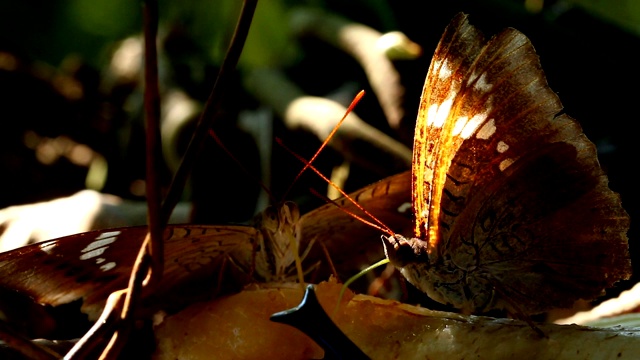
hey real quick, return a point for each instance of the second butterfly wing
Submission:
(92, 265)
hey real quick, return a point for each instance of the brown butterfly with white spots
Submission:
(512, 208)
(91, 265)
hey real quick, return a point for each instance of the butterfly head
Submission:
(402, 251)
(278, 246)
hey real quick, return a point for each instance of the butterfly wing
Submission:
(547, 232)
(92, 265)
(194, 258)
(351, 243)
(509, 195)
(434, 144)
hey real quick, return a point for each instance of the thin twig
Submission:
(104, 327)
(210, 113)
(154, 145)
(134, 289)
(150, 261)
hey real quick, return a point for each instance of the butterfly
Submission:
(91, 265)
(512, 208)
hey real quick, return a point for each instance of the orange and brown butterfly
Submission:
(512, 208)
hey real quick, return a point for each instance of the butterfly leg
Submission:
(517, 312)
(329, 261)
(307, 249)
(302, 257)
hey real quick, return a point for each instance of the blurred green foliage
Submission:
(51, 30)
(211, 23)
(622, 13)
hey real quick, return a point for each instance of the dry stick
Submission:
(209, 114)
(150, 261)
(154, 146)
(104, 327)
(132, 293)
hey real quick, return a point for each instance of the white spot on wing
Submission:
(108, 266)
(431, 114)
(473, 125)
(48, 247)
(98, 247)
(505, 164)
(471, 78)
(443, 112)
(93, 253)
(488, 129)
(109, 234)
(428, 173)
(502, 147)
(99, 243)
(445, 70)
(460, 123)
(482, 85)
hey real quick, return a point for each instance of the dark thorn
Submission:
(310, 318)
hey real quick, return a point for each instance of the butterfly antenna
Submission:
(356, 216)
(256, 179)
(378, 224)
(353, 104)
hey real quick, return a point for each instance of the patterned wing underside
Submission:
(453, 57)
(94, 264)
(506, 186)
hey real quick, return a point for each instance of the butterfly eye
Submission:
(268, 218)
